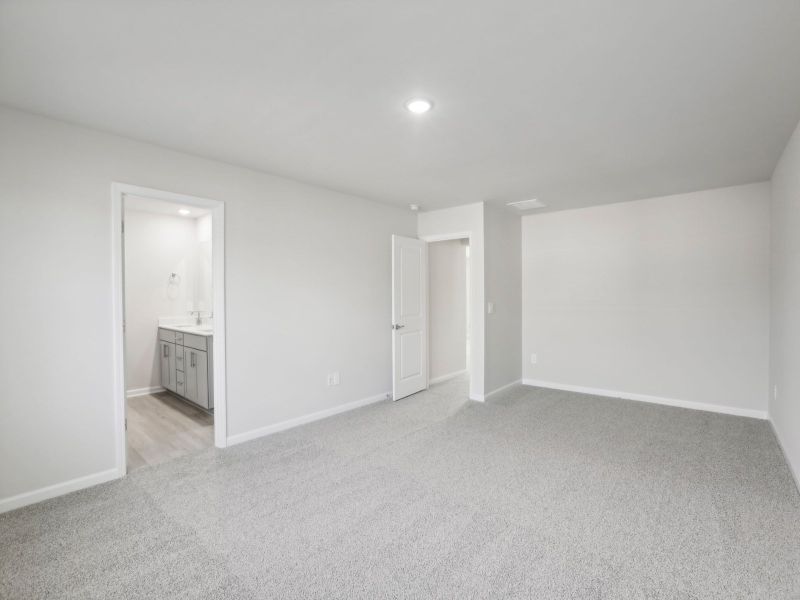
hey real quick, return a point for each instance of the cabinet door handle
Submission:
(193, 357)
(166, 350)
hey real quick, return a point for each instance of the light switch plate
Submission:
(490, 307)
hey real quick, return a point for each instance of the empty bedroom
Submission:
(421, 300)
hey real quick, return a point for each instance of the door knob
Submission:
(397, 326)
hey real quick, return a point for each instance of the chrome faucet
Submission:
(197, 321)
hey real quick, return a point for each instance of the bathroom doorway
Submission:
(169, 306)
(449, 330)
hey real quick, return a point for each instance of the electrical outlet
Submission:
(534, 359)
(333, 378)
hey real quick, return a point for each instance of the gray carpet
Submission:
(537, 494)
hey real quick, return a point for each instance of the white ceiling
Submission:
(573, 102)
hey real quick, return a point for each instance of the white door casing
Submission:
(409, 316)
(217, 208)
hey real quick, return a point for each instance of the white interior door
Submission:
(409, 316)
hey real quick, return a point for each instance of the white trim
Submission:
(717, 408)
(118, 328)
(322, 414)
(445, 237)
(219, 324)
(217, 208)
(795, 473)
(144, 391)
(485, 397)
(447, 377)
(58, 489)
(502, 388)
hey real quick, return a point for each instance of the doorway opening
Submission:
(421, 358)
(449, 309)
(169, 320)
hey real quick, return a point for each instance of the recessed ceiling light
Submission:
(414, 207)
(419, 106)
(527, 204)
(184, 211)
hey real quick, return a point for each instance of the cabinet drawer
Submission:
(180, 377)
(178, 338)
(166, 335)
(198, 342)
(180, 388)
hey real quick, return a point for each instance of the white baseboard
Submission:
(284, 425)
(795, 472)
(58, 489)
(727, 410)
(485, 397)
(143, 391)
(452, 375)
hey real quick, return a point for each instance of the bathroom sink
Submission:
(197, 328)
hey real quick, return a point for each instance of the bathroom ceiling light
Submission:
(184, 211)
(419, 106)
(527, 204)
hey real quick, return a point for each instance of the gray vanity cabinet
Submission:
(167, 357)
(196, 376)
(186, 366)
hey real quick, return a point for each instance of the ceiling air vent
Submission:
(527, 204)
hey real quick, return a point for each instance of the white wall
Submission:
(447, 308)
(308, 276)
(666, 297)
(504, 291)
(204, 289)
(465, 221)
(784, 408)
(155, 246)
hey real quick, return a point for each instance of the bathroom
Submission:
(168, 330)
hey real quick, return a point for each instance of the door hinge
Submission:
(126, 423)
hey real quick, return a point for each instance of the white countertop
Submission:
(204, 330)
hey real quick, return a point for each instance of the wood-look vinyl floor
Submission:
(161, 427)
